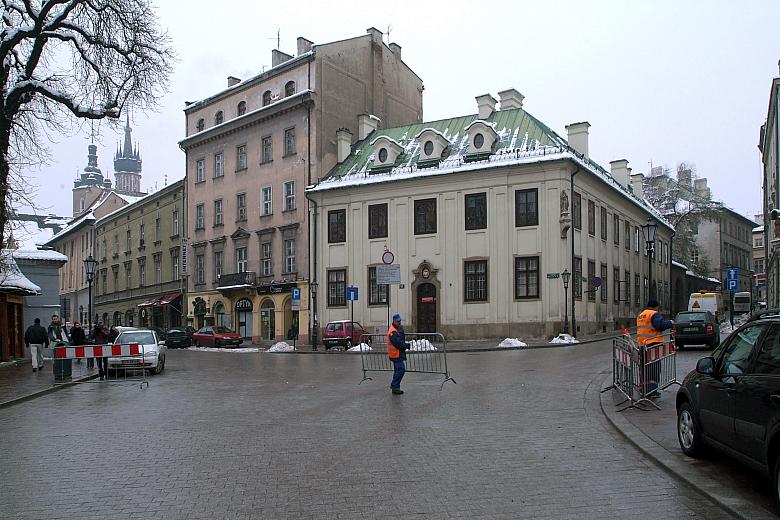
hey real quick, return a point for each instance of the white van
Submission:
(743, 302)
(706, 301)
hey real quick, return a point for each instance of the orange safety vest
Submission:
(392, 352)
(645, 332)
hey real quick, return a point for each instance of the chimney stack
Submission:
(510, 98)
(367, 123)
(637, 180)
(343, 144)
(701, 189)
(620, 172)
(578, 137)
(232, 80)
(278, 57)
(486, 105)
(376, 35)
(304, 45)
(396, 50)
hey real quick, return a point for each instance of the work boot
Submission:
(397, 391)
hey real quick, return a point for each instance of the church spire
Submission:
(127, 151)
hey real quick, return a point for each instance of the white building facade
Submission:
(479, 214)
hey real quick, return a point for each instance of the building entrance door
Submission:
(267, 320)
(426, 307)
(244, 308)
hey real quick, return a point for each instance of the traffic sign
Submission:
(388, 274)
(732, 285)
(295, 297)
(550, 276)
(596, 282)
(352, 293)
(732, 274)
(388, 257)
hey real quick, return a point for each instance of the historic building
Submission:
(137, 247)
(759, 265)
(485, 214)
(769, 146)
(251, 150)
(14, 287)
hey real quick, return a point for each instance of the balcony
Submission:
(237, 280)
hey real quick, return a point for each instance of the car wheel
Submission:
(348, 345)
(217, 343)
(688, 433)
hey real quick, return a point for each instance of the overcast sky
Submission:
(661, 81)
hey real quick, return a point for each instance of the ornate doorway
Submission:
(267, 320)
(244, 309)
(426, 307)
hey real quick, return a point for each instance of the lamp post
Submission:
(313, 288)
(565, 275)
(90, 265)
(649, 230)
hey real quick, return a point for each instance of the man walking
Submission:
(35, 337)
(396, 351)
(649, 333)
(100, 336)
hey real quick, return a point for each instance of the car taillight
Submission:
(710, 328)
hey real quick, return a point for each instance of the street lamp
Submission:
(566, 275)
(313, 288)
(90, 265)
(649, 230)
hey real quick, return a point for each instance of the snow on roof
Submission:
(89, 215)
(429, 129)
(40, 254)
(678, 264)
(12, 279)
(28, 235)
(759, 229)
(390, 139)
(131, 199)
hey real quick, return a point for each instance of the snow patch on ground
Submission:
(281, 347)
(214, 349)
(358, 348)
(421, 345)
(512, 343)
(563, 339)
(726, 328)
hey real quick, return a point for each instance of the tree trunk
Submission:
(5, 169)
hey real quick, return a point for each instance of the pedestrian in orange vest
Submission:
(396, 351)
(649, 332)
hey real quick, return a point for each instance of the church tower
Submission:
(127, 166)
(90, 184)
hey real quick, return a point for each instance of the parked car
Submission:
(342, 333)
(179, 337)
(765, 313)
(695, 328)
(216, 336)
(153, 358)
(161, 333)
(731, 401)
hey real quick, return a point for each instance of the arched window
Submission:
(266, 98)
(289, 88)
(200, 125)
(129, 318)
(218, 118)
(117, 319)
(242, 108)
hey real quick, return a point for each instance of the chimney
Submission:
(684, 177)
(510, 98)
(636, 184)
(304, 45)
(701, 189)
(486, 105)
(620, 172)
(232, 80)
(278, 57)
(367, 123)
(578, 137)
(396, 50)
(376, 34)
(343, 144)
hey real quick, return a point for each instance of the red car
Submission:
(216, 336)
(343, 332)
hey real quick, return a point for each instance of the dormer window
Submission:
(383, 154)
(428, 148)
(432, 146)
(482, 137)
(386, 151)
(219, 118)
(201, 124)
(241, 108)
(289, 88)
(266, 98)
(479, 141)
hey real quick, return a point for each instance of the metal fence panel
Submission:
(427, 355)
(131, 367)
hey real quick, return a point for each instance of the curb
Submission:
(45, 391)
(677, 466)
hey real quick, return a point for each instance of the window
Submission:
(116, 280)
(616, 229)
(526, 208)
(377, 221)
(267, 149)
(475, 281)
(116, 244)
(694, 255)
(157, 228)
(479, 140)
(218, 212)
(382, 155)
(265, 250)
(200, 171)
(289, 256)
(129, 244)
(104, 281)
(637, 289)
(141, 235)
(424, 216)
(577, 278)
(241, 157)
(241, 207)
(266, 98)
(289, 88)
(175, 266)
(736, 354)
(218, 259)
(105, 249)
(526, 277)
(200, 216)
(157, 268)
(627, 285)
(265, 201)
(241, 260)
(576, 211)
(141, 273)
(219, 171)
(241, 109)
(289, 142)
(768, 360)
(176, 222)
(591, 217)
(337, 288)
(476, 210)
(337, 226)
(603, 223)
(289, 195)
(200, 269)
(377, 294)
(636, 239)
(128, 275)
(603, 289)
(615, 285)
(200, 125)
(219, 118)
(627, 235)
(759, 265)
(591, 276)
(428, 147)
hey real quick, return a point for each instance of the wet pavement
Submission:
(221, 435)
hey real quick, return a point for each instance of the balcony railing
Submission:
(232, 279)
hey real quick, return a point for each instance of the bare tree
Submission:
(70, 60)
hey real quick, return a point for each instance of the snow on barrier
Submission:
(130, 358)
(427, 354)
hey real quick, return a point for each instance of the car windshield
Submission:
(222, 330)
(688, 317)
(141, 337)
(334, 327)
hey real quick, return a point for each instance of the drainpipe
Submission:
(671, 284)
(579, 281)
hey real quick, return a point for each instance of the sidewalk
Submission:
(743, 492)
(19, 383)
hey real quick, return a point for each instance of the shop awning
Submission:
(168, 298)
(149, 302)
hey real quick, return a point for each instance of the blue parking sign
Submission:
(352, 293)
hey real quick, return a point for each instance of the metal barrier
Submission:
(641, 372)
(130, 356)
(427, 355)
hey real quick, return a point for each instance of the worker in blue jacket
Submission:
(396, 351)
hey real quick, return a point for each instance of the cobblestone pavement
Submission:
(283, 436)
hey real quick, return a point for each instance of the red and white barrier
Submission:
(656, 352)
(97, 351)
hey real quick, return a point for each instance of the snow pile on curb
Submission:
(358, 348)
(214, 349)
(563, 339)
(512, 343)
(421, 345)
(726, 328)
(281, 347)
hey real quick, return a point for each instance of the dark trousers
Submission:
(399, 369)
(102, 363)
(651, 372)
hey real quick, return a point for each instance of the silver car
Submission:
(153, 358)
